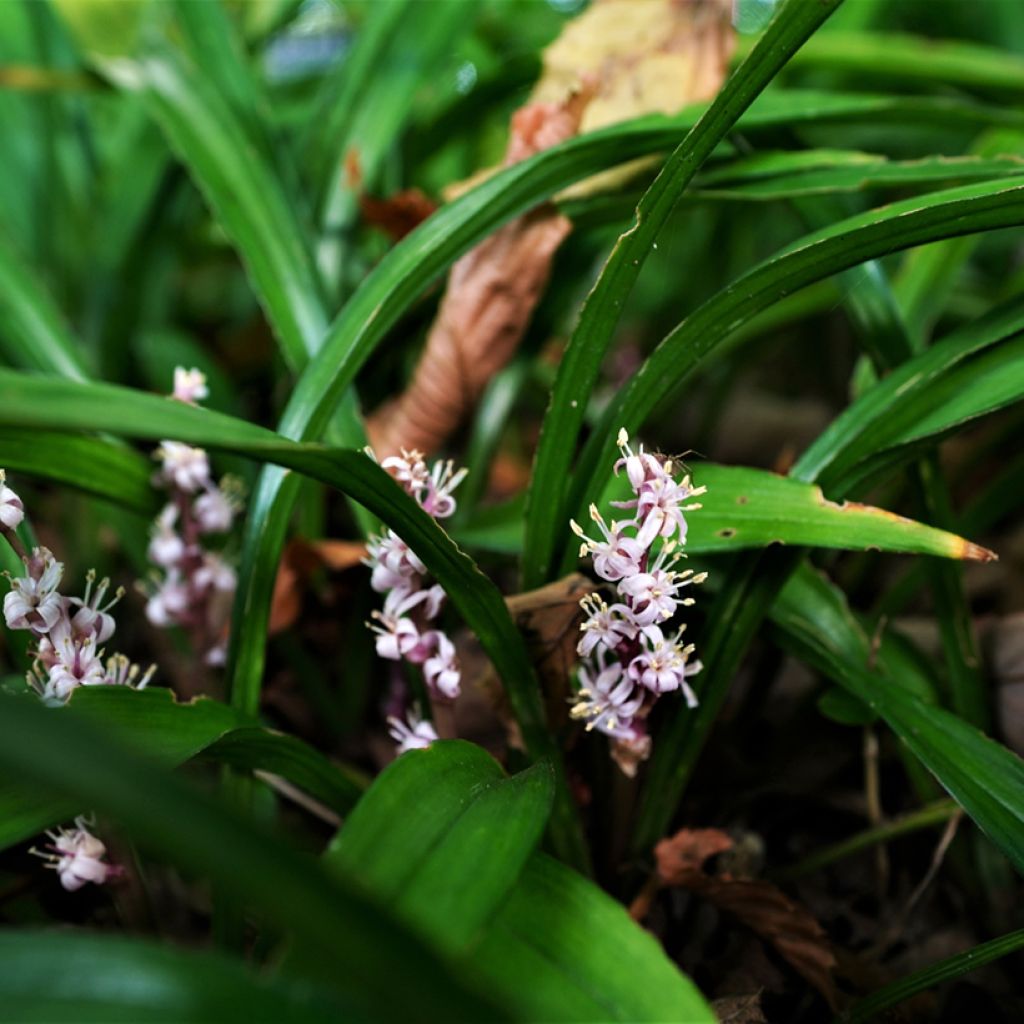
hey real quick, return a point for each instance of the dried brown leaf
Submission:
(618, 59)
(680, 859)
(397, 214)
(549, 619)
(739, 1009)
(761, 906)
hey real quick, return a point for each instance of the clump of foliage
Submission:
(408, 300)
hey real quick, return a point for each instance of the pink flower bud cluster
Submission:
(403, 626)
(631, 657)
(193, 586)
(67, 632)
(78, 857)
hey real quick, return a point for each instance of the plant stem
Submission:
(934, 814)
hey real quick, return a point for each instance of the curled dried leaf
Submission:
(761, 906)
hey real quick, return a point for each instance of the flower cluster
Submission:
(631, 657)
(68, 632)
(193, 586)
(77, 857)
(403, 626)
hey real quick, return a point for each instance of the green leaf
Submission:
(441, 837)
(115, 472)
(381, 970)
(774, 176)
(153, 723)
(103, 978)
(48, 403)
(981, 386)
(751, 508)
(244, 193)
(894, 406)
(33, 332)
(581, 362)
(562, 950)
(838, 247)
(916, 58)
(985, 778)
(928, 977)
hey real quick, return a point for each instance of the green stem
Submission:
(933, 814)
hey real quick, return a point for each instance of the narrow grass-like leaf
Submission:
(381, 970)
(563, 950)
(442, 836)
(916, 58)
(985, 778)
(114, 472)
(105, 407)
(232, 173)
(365, 105)
(857, 432)
(33, 333)
(928, 977)
(171, 733)
(842, 245)
(581, 363)
(988, 382)
(763, 180)
(106, 978)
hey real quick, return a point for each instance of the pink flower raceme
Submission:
(192, 586)
(403, 625)
(67, 632)
(629, 661)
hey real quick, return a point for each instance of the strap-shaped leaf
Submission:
(951, 212)
(110, 978)
(380, 969)
(581, 363)
(751, 508)
(442, 836)
(985, 778)
(563, 950)
(171, 733)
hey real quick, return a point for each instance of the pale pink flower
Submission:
(440, 670)
(12, 511)
(33, 602)
(413, 733)
(166, 547)
(607, 700)
(214, 512)
(616, 555)
(77, 857)
(215, 574)
(93, 618)
(606, 626)
(662, 666)
(189, 385)
(169, 602)
(185, 467)
(393, 562)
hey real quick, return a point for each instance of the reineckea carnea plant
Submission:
(445, 732)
